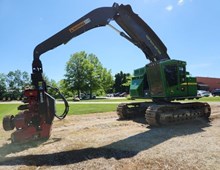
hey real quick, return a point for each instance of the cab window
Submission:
(171, 74)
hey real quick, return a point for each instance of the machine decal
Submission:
(78, 26)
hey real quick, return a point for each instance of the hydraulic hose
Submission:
(66, 110)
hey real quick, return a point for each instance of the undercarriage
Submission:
(163, 114)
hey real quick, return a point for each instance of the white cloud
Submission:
(169, 8)
(180, 2)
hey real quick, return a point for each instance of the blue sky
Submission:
(188, 28)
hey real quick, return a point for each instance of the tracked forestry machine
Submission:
(163, 79)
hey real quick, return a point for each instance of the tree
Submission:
(85, 73)
(107, 81)
(94, 72)
(16, 82)
(99, 77)
(75, 72)
(2, 85)
(122, 82)
(53, 84)
(63, 87)
(128, 82)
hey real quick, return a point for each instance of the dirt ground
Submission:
(100, 141)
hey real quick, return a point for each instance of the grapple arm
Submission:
(138, 32)
(96, 18)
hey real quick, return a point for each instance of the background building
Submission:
(208, 83)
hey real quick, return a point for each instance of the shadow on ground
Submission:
(13, 148)
(125, 148)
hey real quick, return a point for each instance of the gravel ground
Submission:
(100, 141)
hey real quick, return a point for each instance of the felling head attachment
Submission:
(29, 124)
(34, 121)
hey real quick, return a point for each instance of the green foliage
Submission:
(12, 84)
(122, 82)
(52, 83)
(63, 87)
(17, 80)
(75, 74)
(128, 80)
(107, 81)
(2, 85)
(85, 73)
(93, 70)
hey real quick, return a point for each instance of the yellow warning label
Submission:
(79, 25)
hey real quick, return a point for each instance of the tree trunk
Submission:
(78, 93)
(90, 93)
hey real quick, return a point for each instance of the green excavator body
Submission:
(166, 79)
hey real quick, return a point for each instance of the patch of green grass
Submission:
(109, 100)
(209, 99)
(78, 109)
(203, 99)
(8, 109)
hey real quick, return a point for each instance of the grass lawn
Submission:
(86, 108)
(210, 99)
(76, 108)
(109, 100)
(8, 109)
(203, 99)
